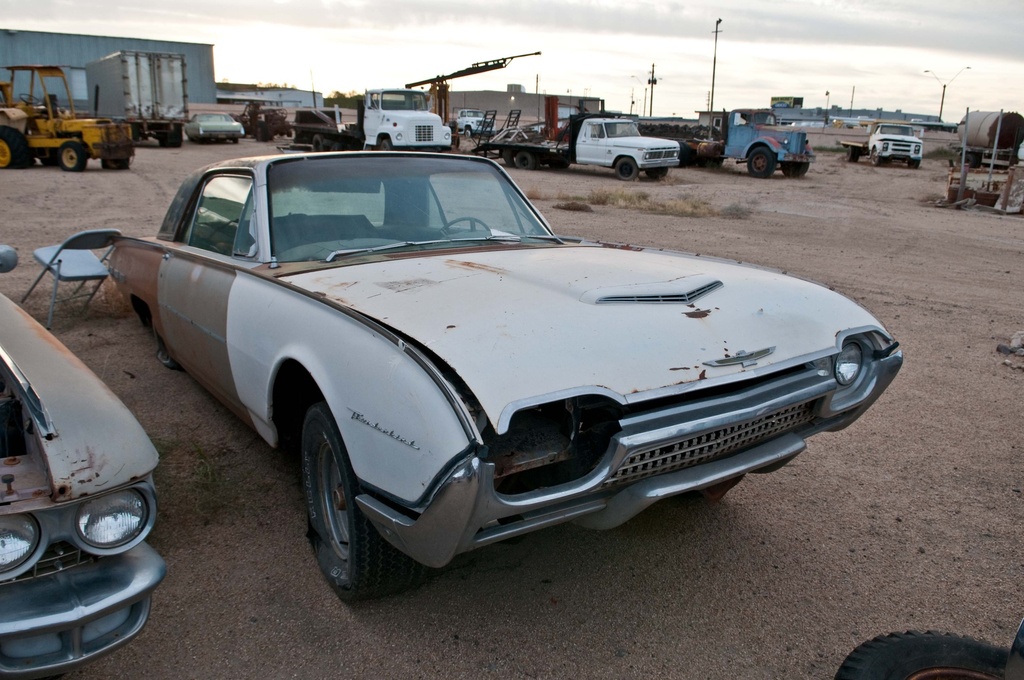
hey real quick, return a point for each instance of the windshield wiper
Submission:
(386, 246)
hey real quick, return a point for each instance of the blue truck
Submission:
(750, 136)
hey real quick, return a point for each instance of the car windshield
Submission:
(403, 101)
(213, 118)
(326, 207)
(896, 130)
(623, 129)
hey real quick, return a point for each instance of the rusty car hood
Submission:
(85, 440)
(516, 324)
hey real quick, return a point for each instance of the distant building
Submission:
(283, 97)
(73, 52)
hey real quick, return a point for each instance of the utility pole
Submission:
(714, 64)
(852, 92)
(652, 81)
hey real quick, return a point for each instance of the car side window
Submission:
(218, 213)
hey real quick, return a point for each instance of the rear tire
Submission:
(901, 656)
(72, 157)
(525, 160)
(14, 151)
(852, 154)
(355, 559)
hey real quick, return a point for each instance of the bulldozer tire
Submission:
(14, 151)
(72, 157)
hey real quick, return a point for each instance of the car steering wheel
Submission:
(447, 229)
(28, 99)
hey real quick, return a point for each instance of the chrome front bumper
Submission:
(467, 512)
(55, 623)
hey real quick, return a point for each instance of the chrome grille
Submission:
(655, 154)
(58, 557)
(424, 133)
(708, 446)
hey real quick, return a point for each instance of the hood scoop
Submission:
(683, 291)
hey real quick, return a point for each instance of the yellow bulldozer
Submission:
(38, 121)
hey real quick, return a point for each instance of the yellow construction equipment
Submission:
(38, 121)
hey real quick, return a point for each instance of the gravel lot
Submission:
(909, 519)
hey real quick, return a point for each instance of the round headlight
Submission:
(848, 364)
(112, 520)
(18, 537)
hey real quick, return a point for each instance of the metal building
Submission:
(73, 52)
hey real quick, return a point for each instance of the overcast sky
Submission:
(874, 52)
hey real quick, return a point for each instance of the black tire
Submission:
(163, 356)
(686, 155)
(795, 169)
(656, 173)
(355, 559)
(626, 169)
(318, 143)
(876, 160)
(761, 163)
(900, 656)
(72, 157)
(974, 160)
(852, 154)
(386, 144)
(525, 160)
(14, 151)
(508, 157)
(914, 163)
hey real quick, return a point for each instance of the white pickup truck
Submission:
(887, 142)
(469, 121)
(591, 139)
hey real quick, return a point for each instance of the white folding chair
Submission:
(74, 261)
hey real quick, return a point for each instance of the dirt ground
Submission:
(909, 519)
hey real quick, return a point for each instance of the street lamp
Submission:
(942, 102)
(714, 65)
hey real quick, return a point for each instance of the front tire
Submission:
(761, 163)
(905, 656)
(626, 169)
(914, 163)
(72, 157)
(386, 144)
(355, 559)
(656, 173)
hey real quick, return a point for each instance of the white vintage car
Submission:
(453, 374)
(76, 505)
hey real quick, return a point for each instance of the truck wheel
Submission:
(72, 157)
(508, 157)
(525, 160)
(876, 160)
(852, 154)
(656, 173)
(354, 558)
(626, 169)
(385, 144)
(901, 656)
(914, 163)
(14, 151)
(761, 163)
(795, 169)
(318, 143)
(974, 160)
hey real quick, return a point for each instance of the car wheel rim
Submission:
(333, 500)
